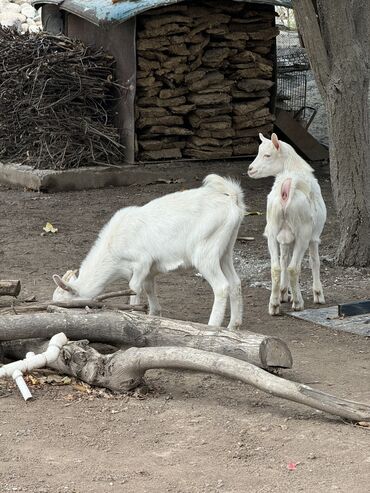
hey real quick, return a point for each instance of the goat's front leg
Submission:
(284, 277)
(274, 305)
(294, 271)
(218, 282)
(236, 300)
(318, 295)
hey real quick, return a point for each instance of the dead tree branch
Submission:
(135, 329)
(125, 370)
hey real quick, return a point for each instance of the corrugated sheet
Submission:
(104, 11)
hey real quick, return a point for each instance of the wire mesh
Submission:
(291, 90)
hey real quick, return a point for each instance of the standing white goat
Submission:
(295, 218)
(194, 228)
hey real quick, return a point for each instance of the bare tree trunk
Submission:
(337, 45)
(134, 329)
(125, 370)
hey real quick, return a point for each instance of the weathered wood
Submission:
(183, 109)
(203, 142)
(10, 288)
(209, 64)
(134, 329)
(243, 109)
(164, 143)
(221, 153)
(147, 121)
(245, 149)
(216, 134)
(209, 78)
(173, 153)
(164, 30)
(252, 85)
(157, 129)
(125, 370)
(173, 93)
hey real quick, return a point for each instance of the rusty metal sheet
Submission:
(100, 12)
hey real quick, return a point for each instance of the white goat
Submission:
(194, 228)
(295, 218)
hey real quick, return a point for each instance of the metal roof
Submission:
(105, 11)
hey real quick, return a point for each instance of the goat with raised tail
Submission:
(194, 228)
(295, 218)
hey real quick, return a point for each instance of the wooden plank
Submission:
(300, 137)
(355, 308)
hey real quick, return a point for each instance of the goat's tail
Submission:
(226, 186)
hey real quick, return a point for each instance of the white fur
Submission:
(194, 228)
(294, 225)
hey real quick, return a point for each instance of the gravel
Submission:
(20, 15)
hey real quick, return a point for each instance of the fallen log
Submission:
(134, 329)
(10, 288)
(125, 370)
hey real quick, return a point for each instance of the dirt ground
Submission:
(192, 432)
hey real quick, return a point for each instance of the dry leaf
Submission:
(81, 387)
(58, 380)
(49, 228)
(32, 380)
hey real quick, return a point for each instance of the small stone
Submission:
(27, 10)
(13, 7)
(33, 29)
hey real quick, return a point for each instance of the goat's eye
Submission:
(267, 155)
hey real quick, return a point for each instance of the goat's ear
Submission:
(262, 137)
(275, 141)
(62, 284)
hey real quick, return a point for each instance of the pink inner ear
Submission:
(275, 141)
(60, 283)
(285, 191)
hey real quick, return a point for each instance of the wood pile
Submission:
(204, 79)
(57, 100)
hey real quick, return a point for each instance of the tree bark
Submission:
(134, 329)
(337, 45)
(125, 370)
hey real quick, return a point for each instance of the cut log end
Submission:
(10, 288)
(274, 353)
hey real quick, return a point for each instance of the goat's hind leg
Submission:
(318, 295)
(284, 277)
(215, 277)
(294, 271)
(149, 287)
(236, 300)
(136, 283)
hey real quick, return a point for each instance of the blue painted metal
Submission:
(101, 12)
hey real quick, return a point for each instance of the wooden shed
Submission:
(198, 77)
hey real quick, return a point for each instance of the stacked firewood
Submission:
(204, 79)
(57, 100)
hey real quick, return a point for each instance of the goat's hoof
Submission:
(284, 296)
(298, 307)
(318, 297)
(274, 309)
(234, 326)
